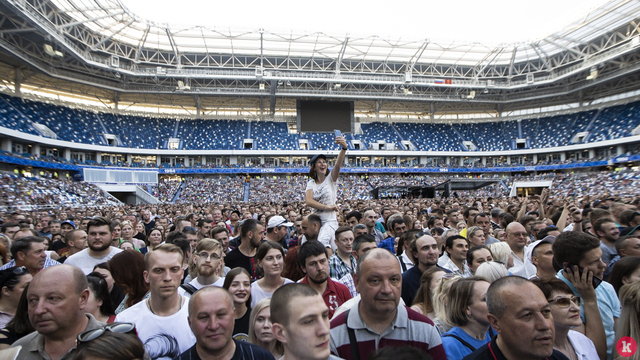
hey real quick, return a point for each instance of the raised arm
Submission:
(336, 169)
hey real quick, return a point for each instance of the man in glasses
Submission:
(208, 257)
(57, 299)
(517, 237)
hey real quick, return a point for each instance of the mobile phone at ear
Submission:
(338, 133)
(596, 280)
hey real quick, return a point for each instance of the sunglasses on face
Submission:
(564, 302)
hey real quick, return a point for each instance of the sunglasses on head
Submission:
(122, 328)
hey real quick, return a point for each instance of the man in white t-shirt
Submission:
(99, 235)
(208, 257)
(161, 320)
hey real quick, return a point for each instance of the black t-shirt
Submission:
(241, 327)
(150, 226)
(139, 236)
(235, 258)
(244, 351)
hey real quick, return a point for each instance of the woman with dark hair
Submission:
(116, 292)
(238, 283)
(19, 326)
(467, 311)
(154, 238)
(477, 255)
(127, 269)
(423, 303)
(12, 284)
(270, 262)
(111, 345)
(99, 303)
(625, 271)
(321, 192)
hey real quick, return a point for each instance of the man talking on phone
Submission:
(578, 252)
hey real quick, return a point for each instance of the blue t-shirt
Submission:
(609, 306)
(454, 349)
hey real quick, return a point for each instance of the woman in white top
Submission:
(565, 308)
(270, 262)
(322, 190)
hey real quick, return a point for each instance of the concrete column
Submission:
(233, 160)
(592, 153)
(397, 160)
(129, 158)
(36, 150)
(261, 160)
(98, 157)
(67, 154)
(563, 156)
(18, 82)
(6, 144)
(535, 159)
(620, 150)
(508, 160)
(158, 160)
(484, 161)
(447, 160)
(203, 160)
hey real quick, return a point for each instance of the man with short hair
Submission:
(469, 217)
(162, 319)
(277, 230)
(342, 262)
(578, 249)
(54, 227)
(192, 236)
(425, 250)
(607, 231)
(57, 298)
(99, 231)
(300, 321)
(495, 218)
(29, 252)
(84, 222)
(204, 226)
(517, 237)
(361, 244)
(540, 253)
(74, 242)
(310, 226)
(251, 234)
(44, 222)
(66, 226)
(149, 223)
(455, 257)
(359, 229)
(370, 222)
(314, 263)
(521, 315)
(352, 218)
(221, 234)
(208, 258)
(234, 217)
(397, 227)
(9, 229)
(482, 220)
(378, 320)
(211, 319)
(628, 245)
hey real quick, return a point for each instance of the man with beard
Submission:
(314, 262)
(99, 234)
(425, 251)
(208, 257)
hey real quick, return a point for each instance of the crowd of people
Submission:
(301, 273)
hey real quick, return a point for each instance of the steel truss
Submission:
(106, 47)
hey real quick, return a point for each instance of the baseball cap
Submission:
(549, 239)
(68, 222)
(278, 220)
(316, 157)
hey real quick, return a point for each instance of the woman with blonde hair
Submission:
(491, 271)
(629, 320)
(423, 303)
(260, 332)
(440, 299)
(127, 231)
(502, 254)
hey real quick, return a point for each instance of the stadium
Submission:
(94, 92)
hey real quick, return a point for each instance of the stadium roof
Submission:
(112, 19)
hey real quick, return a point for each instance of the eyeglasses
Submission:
(20, 270)
(206, 256)
(520, 234)
(121, 328)
(564, 302)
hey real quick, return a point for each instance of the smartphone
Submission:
(596, 280)
(338, 133)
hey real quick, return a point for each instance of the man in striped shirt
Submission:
(378, 320)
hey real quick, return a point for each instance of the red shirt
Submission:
(334, 295)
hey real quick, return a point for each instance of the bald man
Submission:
(211, 319)
(517, 238)
(57, 298)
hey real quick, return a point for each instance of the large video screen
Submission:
(322, 115)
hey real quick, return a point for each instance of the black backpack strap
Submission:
(461, 341)
(188, 288)
(404, 266)
(491, 333)
(355, 354)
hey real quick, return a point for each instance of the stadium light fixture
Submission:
(48, 49)
(593, 75)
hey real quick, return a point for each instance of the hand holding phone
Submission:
(569, 268)
(338, 133)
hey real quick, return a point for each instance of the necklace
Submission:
(150, 309)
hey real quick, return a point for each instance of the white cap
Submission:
(278, 220)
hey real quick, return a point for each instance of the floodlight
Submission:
(261, 86)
